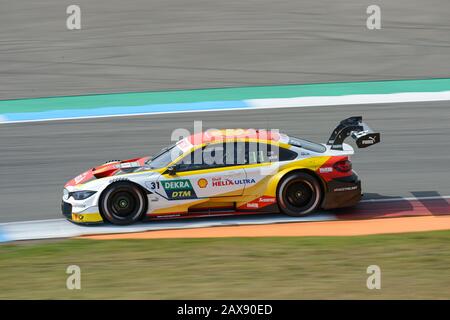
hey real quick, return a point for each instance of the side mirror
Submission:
(171, 171)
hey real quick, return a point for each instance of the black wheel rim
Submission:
(123, 204)
(299, 194)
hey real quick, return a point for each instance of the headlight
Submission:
(81, 195)
(65, 194)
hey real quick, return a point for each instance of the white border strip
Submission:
(406, 199)
(349, 100)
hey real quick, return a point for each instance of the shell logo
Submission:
(202, 183)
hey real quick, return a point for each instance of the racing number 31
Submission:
(154, 185)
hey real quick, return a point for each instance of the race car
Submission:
(223, 172)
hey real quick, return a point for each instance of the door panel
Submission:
(199, 184)
(207, 172)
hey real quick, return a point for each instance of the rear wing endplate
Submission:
(358, 130)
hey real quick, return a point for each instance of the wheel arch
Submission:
(323, 186)
(272, 188)
(144, 192)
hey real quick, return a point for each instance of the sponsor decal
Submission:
(176, 184)
(80, 178)
(267, 200)
(223, 182)
(370, 140)
(127, 165)
(326, 170)
(179, 189)
(260, 202)
(202, 183)
(118, 179)
(346, 188)
(77, 217)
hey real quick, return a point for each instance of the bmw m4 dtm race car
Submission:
(222, 172)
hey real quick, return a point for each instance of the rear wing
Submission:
(358, 130)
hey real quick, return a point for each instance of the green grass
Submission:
(413, 266)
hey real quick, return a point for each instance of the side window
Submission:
(192, 161)
(210, 156)
(286, 154)
(262, 153)
(259, 153)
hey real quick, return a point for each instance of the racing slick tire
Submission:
(123, 203)
(299, 194)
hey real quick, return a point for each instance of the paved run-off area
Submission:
(132, 46)
(298, 229)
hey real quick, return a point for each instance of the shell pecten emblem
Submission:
(202, 183)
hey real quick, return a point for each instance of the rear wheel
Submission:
(123, 203)
(299, 194)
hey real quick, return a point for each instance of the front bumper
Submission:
(342, 192)
(85, 217)
(66, 209)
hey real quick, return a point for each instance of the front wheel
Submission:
(123, 203)
(299, 194)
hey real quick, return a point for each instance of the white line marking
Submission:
(355, 99)
(406, 199)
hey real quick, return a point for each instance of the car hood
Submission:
(110, 168)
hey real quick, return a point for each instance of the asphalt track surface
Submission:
(138, 45)
(37, 158)
(134, 46)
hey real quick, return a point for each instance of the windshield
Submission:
(164, 157)
(308, 145)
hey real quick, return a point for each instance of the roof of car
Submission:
(218, 135)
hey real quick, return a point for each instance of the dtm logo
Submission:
(179, 189)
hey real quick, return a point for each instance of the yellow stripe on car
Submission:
(87, 217)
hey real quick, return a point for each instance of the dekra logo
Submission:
(176, 184)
